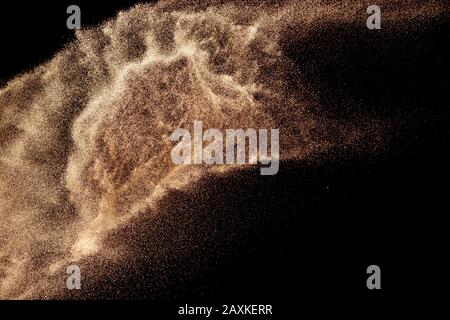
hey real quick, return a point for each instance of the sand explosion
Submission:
(84, 138)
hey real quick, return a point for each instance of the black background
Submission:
(326, 220)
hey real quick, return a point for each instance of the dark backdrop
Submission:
(323, 224)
